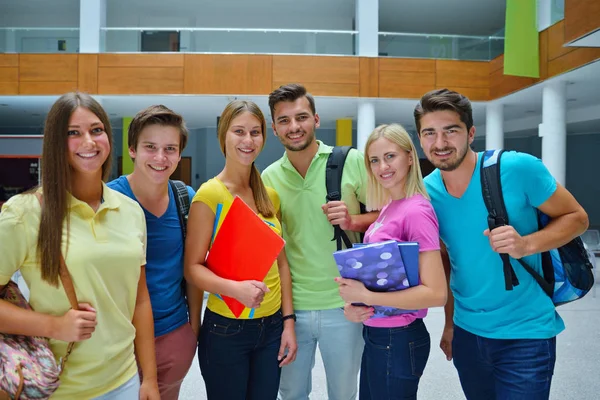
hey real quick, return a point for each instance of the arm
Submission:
(144, 340)
(337, 214)
(199, 233)
(448, 332)
(195, 298)
(361, 222)
(73, 326)
(288, 338)
(430, 293)
(568, 220)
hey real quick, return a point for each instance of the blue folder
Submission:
(382, 267)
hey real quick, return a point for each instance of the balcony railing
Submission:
(230, 40)
(39, 40)
(455, 47)
(250, 41)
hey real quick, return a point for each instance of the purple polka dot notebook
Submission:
(382, 267)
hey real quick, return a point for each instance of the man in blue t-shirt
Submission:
(156, 138)
(503, 342)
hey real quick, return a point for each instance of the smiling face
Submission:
(88, 143)
(157, 154)
(445, 139)
(390, 165)
(244, 138)
(294, 124)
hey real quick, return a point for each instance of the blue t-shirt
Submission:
(164, 262)
(482, 305)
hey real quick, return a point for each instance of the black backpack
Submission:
(182, 200)
(567, 271)
(333, 183)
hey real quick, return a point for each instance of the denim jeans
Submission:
(341, 347)
(238, 357)
(503, 369)
(393, 361)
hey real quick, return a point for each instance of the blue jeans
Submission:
(393, 361)
(238, 357)
(341, 347)
(503, 369)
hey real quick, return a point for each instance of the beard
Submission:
(452, 163)
(310, 138)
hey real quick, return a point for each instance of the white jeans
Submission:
(130, 390)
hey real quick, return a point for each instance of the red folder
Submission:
(244, 248)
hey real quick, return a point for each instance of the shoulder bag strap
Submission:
(67, 283)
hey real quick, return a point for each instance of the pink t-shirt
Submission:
(405, 220)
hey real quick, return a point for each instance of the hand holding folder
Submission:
(244, 248)
(382, 267)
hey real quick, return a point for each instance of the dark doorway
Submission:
(160, 41)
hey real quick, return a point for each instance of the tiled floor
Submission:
(576, 374)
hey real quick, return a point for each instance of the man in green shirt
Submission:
(307, 219)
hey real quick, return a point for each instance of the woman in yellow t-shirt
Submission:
(102, 235)
(240, 358)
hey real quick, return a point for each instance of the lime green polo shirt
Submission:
(307, 231)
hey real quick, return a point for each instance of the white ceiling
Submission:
(591, 40)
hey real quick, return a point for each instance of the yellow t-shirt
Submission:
(215, 194)
(106, 250)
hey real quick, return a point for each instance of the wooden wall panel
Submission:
(501, 85)
(9, 60)
(369, 77)
(406, 78)
(543, 54)
(574, 59)
(48, 67)
(88, 73)
(581, 17)
(139, 80)
(322, 75)
(9, 88)
(141, 60)
(556, 41)
(473, 74)
(497, 63)
(228, 74)
(46, 88)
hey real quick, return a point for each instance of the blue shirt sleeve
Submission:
(191, 193)
(534, 178)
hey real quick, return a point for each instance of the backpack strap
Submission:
(182, 200)
(491, 189)
(333, 183)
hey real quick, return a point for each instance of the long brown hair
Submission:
(56, 177)
(261, 198)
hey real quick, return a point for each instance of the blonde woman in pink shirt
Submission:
(397, 347)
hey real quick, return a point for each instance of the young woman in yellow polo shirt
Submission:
(240, 358)
(102, 235)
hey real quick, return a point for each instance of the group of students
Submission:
(140, 277)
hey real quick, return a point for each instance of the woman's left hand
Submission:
(149, 390)
(288, 342)
(352, 291)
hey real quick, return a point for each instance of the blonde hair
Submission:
(263, 202)
(377, 195)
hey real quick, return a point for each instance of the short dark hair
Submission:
(444, 100)
(290, 92)
(156, 115)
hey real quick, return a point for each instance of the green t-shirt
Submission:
(307, 231)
